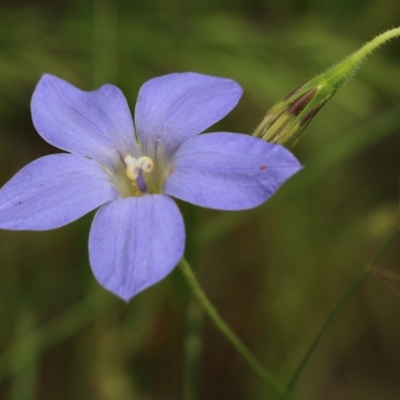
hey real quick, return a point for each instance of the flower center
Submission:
(135, 167)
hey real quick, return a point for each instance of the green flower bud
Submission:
(286, 120)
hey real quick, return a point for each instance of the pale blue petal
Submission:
(95, 124)
(135, 242)
(228, 171)
(54, 191)
(175, 107)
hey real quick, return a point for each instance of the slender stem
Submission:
(376, 42)
(193, 340)
(353, 61)
(334, 77)
(229, 334)
(339, 308)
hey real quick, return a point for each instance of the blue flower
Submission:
(130, 170)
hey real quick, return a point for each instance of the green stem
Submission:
(339, 309)
(193, 340)
(229, 334)
(369, 47)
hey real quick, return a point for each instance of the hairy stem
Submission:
(220, 324)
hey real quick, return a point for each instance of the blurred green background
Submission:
(274, 273)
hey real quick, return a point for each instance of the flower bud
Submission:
(286, 120)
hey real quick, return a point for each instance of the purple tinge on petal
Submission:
(95, 124)
(175, 107)
(135, 242)
(54, 191)
(228, 171)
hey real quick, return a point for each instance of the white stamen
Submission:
(129, 160)
(132, 167)
(136, 165)
(145, 163)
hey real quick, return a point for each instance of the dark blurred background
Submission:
(274, 273)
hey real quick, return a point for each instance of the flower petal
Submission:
(175, 107)
(54, 191)
(228, 171)
(95, 124)
(135, 242)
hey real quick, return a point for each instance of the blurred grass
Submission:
(275, 272)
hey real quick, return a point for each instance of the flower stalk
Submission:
(226, 331)
(286, 120)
